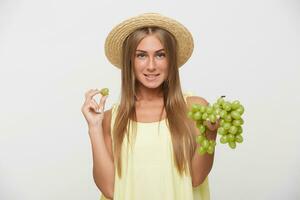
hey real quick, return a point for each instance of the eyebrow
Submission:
(146, 51)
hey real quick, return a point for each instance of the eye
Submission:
(140, 55)
(160, 55)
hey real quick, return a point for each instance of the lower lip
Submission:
(152, 78)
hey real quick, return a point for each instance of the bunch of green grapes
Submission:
(229, 114)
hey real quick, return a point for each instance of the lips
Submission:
(151, 77)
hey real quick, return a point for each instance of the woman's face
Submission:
(150, 62)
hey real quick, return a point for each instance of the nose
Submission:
(152, 64)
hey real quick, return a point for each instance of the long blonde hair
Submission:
(183, 140)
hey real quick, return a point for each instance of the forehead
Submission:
(150, 43)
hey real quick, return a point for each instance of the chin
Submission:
(151, 85)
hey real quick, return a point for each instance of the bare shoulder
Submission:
(196, 100)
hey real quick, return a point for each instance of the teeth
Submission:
(151, 77)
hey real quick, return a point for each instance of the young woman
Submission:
(144, 146)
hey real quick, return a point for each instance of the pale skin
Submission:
(150, 58)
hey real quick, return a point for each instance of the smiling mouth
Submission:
(151, 77)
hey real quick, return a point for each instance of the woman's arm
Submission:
(201, 164)
(103, 165)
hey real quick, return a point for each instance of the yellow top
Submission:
(149, 171)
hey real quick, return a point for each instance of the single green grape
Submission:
(197, 115)
(216, 106)
(242, 121)
(200, 138)
(239, 138)
(217, 111)
(232, 145)
(220, 101)
(231, 137)
(190, 114)
(224, 139)
(222, 131)
(240, 109)
(222, 121)
(227, 125)
(226, 106)
(195, 108)
(204, 116)
(235, 104)
(235, 115)
(209, 109)
(104, 91)
(228, 118)
(202, 108)
(210, 149)
(202, 129)
(212, 143)
(212, 118)
(223, 113)
(237, 122)
(233, 130)
(240, 130)
(205, 143)
(201, 150)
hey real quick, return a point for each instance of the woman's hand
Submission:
(212, 126)
(92, 111)
(212, 129)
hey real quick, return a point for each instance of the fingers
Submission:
(102, 103)
(89, 94)
(211, 126)
(94, 105)
(98, 108)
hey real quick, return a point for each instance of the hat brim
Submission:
(116, 37)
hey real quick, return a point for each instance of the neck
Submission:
(149, 94)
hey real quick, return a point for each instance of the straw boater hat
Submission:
(116, 37)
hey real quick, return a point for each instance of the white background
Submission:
(52, 52)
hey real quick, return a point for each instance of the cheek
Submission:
(139, 63)
(162, 63)
(166, 72)
(139, 68)
(165, 67)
